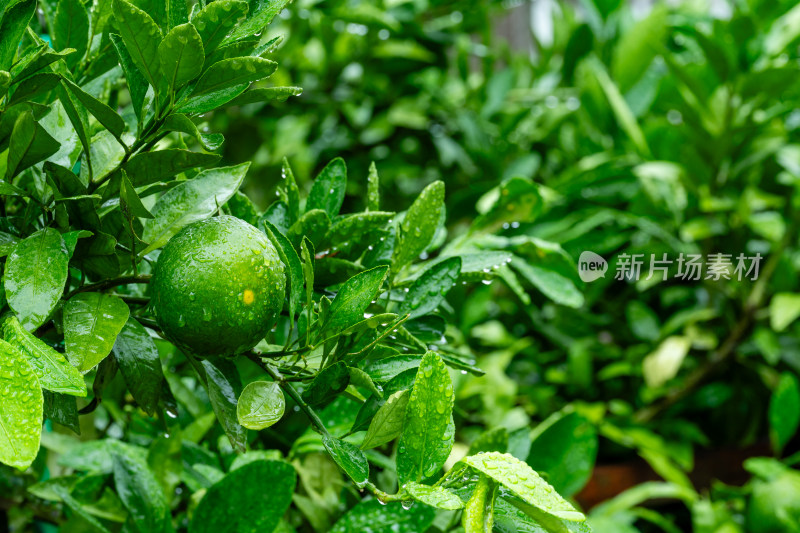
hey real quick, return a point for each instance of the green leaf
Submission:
(784, 411)
(434, 496)
(61, 409)
(638, 46)
(260, 405)
(182, 123)
(216, 20)
(784, 308)
(376, 517)
(292, 191)
(46, 56)
(520, 479)
(34, 86)
(564, 447)
(329, 383)
(349, 458)
(265, 94)
(327, 192)
(552, 284)
(35, 275)
(137, 84)
(261, 14)
(12, 27)
(150, 167)
(224, 387)
(104, 114)
(239, 502)
(141, 36)
(51, 367)
(353, 227)
(387, 424)
(138, 359)
(373, 189)
(21, 415)
(71, 28)
(92, 322)
(181, 57)
(141, 493)
(29, 144)
(424, 439)
(515, 200)
(190, 201)
(430, 288)
(419, 225)
(204, 103)
(129, 201)
(353, 299)
(294, 267)
(478, 516)
(313, 224)
(232, 73)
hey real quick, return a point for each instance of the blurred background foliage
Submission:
(649, 128)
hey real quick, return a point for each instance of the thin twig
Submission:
(109, 284)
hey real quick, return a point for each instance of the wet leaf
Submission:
(259, 16)
(478, 516)
(260, 405)
(71, 28)
(181, 58)
(21, 415)
(524, 482)
(434, 496)
(329, 383)
(375, 517)
(353, 299)
(239, 502)
(419, 225)
(430, 288)
(30, 143)
(425, 436)
(784, 411)
(137, 84)
(12, 28)
(373, 189)
(387, 424)
(149, 167)
(141, 36)
(51, 367)
(233, 72)
(190, 201)
(327, 192)
(294, 267)
(349, 458)
(35, 275)
(216, 20)
(224, 387)
(182, 123)
(103, 113)
(140, 364)
(141, 493)
(92, 322)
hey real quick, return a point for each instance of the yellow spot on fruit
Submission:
(248, 297)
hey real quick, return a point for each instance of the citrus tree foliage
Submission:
(104, 159)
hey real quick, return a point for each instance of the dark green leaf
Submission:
(34, 86)
(313, 224)
(515, 200)
(141, 493)
(150, 167)
(260, 15)
(12, 28)
(224, 387)
(424, 439)
(35, 275)
(784, 411)
(327, 192)
(349, 458)
(373, 189)
(104, 114)
(190, 201)
(233, 72)
(430, 288)
(21, 415)
(181, 57)
(92, 322)
(239, 502)
(419, 225)
(266, 94)
(294, 267)
(61, 409)
(51, 367)
(564, 447)
(216, 20)
(129, 201)
(353, 299)
(328, 384)
(29, 144)
(71, 28)
(137, 356)
(182, 123)
(137, 84)
(141, 36)
(374, 516)
(204, 103)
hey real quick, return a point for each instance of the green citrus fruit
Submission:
(217, 287)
